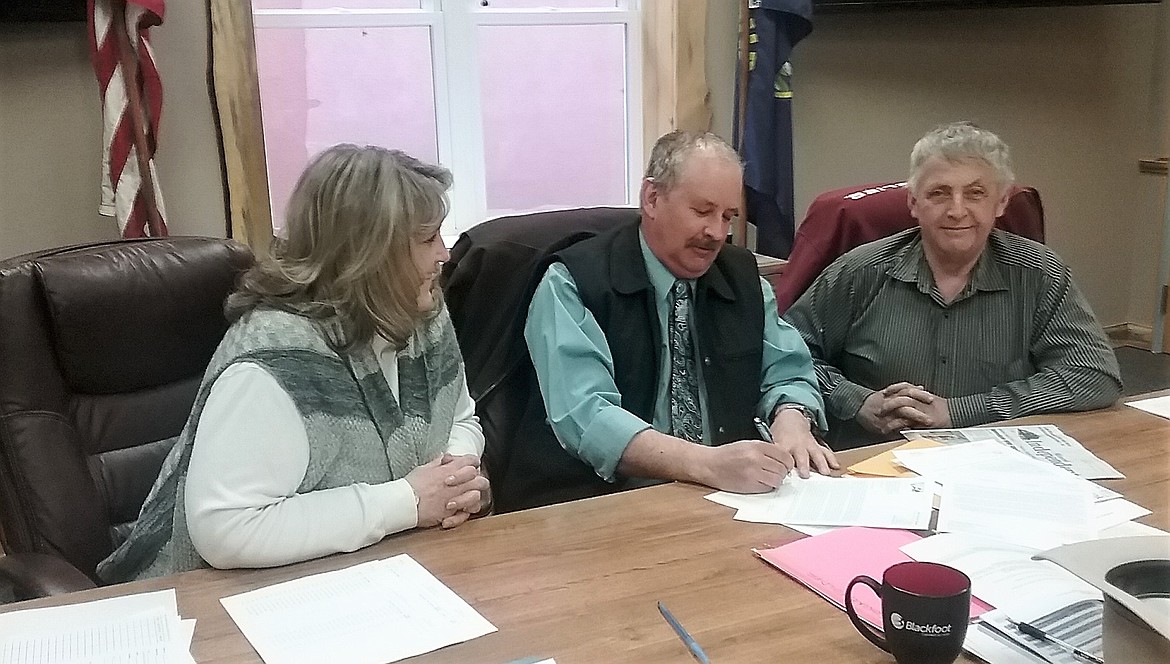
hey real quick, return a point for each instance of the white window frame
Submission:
(459, 118)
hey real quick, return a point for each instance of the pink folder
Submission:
(827, 563)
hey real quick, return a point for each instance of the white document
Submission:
(1044, 442)
(988, 459)
(992, 640)
(1082, 629)
(185, 636)
(840, 501)
(1038, 514)
(1004, 575)
(811, 531)
(1110, 513)
(991, 647)
(1158, 406)
(134, 629)
(101, 610)
(376, 612)
(739, 501)
(1130, 529)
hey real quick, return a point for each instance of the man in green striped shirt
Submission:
(953, 323)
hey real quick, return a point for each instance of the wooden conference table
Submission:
(579, 581)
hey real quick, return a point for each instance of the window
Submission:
(673, 89)
(533, 104)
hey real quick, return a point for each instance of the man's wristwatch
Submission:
(802, 409)
(813, 425)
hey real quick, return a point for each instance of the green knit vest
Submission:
(357, 430)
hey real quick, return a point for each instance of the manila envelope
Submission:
(882, 465)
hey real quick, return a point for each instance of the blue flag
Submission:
(775, 26)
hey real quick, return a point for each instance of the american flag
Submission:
(131, 94)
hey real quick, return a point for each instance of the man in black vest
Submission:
(656, 344)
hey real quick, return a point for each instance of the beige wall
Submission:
(50, 134)
(1080, 94)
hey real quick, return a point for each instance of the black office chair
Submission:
(488, 284)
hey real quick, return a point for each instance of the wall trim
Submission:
(1130, 334)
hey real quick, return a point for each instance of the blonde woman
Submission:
(335, 411)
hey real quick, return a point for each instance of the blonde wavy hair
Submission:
(351, 222)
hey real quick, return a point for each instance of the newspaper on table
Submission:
(1045, 442)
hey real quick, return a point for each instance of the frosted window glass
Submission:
(558, 4)
(554, 102)
(322, 86)
(330, 4)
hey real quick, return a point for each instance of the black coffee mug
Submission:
(925, 610)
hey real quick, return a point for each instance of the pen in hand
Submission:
(696, 651)
(765, 432)
(1037, 633)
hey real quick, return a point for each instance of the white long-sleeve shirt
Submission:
(249, 458)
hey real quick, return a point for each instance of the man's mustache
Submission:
(709, 245)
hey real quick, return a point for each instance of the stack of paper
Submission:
(1004, 494)
(1043, 442)
(837, 501)
(1004, 575)
(992, 490)
(134, 628)
(376, 612)
(987, 487)
(1022, 589)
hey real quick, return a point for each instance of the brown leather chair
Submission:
(842, 219)
(102, 348)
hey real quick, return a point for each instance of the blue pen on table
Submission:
(765, 432)
(687, 639)
(1037, 633)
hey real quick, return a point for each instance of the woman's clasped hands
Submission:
(450, 490)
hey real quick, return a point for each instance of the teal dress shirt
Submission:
(574, 367)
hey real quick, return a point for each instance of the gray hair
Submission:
(352, 219)
(958, 141)
(671, 153)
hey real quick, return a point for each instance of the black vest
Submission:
(611, 278)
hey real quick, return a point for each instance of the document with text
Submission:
(372, 613)
(134, 629)
(1036, 513)
(988, 459)
(842, 501)
(1004, 575)
(996, 638)
(1044, 442)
